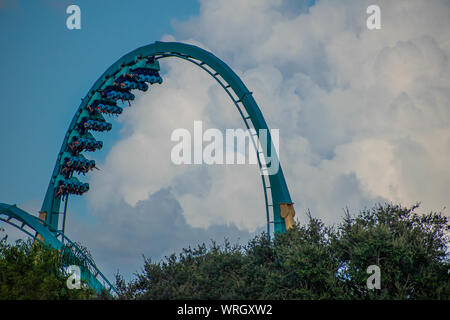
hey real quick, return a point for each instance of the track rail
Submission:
(50, 227)
(237, 91)
(248, 124)
(39, 230)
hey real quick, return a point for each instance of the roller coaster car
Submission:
(104, 101)
(96, 116)
(93, 124)
(85, 142)
(105, 106)
(146, 69)
(146, 62)
(78, 164)
(86, 115)
(126, 77)
(129, 82)
(146, 74)
(117, 93)
(72, 185)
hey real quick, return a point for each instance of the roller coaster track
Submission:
(107, 96)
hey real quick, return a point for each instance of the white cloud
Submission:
(363, 115)
(140, 164)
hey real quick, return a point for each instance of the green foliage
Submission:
(410, 249)
(311, 262)
(31, 270)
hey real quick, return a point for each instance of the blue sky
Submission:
(47, 69)
(363, 115)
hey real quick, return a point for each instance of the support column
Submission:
(287, 212)
(42, 216)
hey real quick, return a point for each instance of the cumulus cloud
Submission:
(363, 115)
(154, 228)
(140, 164)
(351, 102)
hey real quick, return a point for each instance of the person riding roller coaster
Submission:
(74, 145)
(77, 145)
(80, 166)
(96, 125)
(127, 81)
(117, 93)
(106, 106)
(68, 187)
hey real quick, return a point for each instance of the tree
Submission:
(311, 262)
(32, 270)
(410, 249)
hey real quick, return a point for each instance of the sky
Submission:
(364, 115)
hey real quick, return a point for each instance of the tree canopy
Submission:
(33, 271)
(311, 261)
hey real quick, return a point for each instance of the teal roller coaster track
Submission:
(107, 96)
